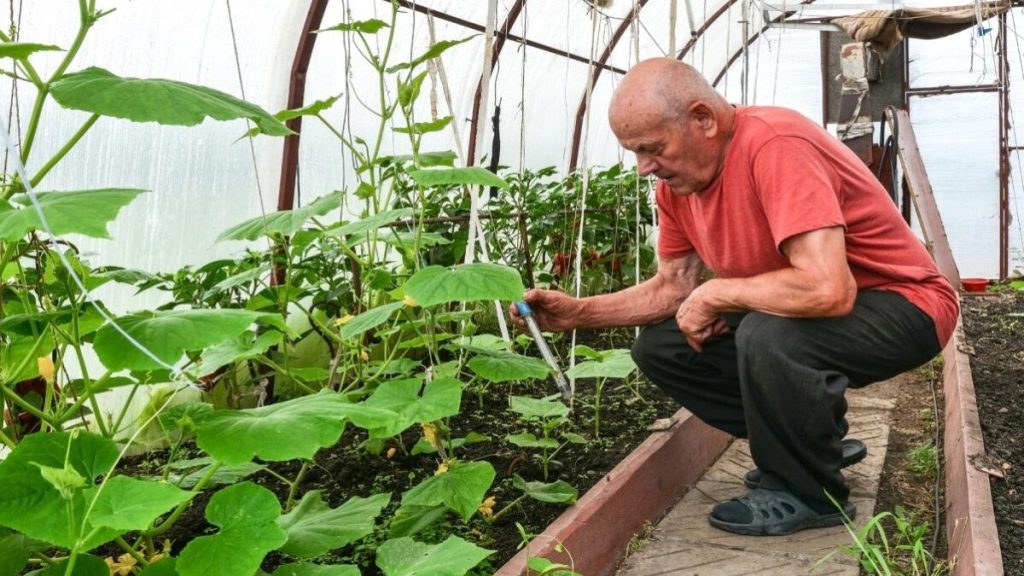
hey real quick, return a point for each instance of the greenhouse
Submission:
(516, 287)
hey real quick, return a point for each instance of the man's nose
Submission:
(645, 164)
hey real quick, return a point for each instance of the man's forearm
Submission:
(646, 303)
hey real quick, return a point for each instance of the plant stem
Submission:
(86, 20)
(166, 524)
(131, 551)
(502, 512)
(295, 486)
(7, 440)
(93, 403)
(16, 400)
(64, 150)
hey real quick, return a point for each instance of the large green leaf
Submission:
(247, 517)
(222, 475)
(547, 407)
(284, 223)
(86, 212)
(361, 26)
(406, 557)
(462, 488)
(293, 429)
(15, 550)
(165, 567)
(434, 51)
(410, 520)
(501, 366)
(245, 346)
(315, 528)
(169, 334)
(373, 222)
(446, 176)
(615, 363)
(85, 565)
(31, 500)
(426, 127)
(311, 110)
(23, 353)
(131, 504)
(467, 282)
(316, 570)
(530, 440)
(439, 399)
(171, 102)
(23, 49)
(369, 320)
(557, 492)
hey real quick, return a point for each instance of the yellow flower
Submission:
(45, 364)
(364, 356)
(410, 302)
(430, 433)
(391, 453)
(343, 320)
(487, 507)
(124, 565)
(441, 469)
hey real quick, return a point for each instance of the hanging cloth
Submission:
(887, 28)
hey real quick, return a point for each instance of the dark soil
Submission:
(915, 426)
(995, 330)
(350, 469)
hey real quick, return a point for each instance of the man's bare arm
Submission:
(654, 299)
(817, 283)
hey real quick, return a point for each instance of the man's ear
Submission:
(704, 119)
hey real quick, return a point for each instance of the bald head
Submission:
(667, 114)
(660, 90)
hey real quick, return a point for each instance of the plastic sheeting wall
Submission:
(203, 180)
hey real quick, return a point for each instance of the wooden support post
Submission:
(855, 128)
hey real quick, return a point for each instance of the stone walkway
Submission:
(684, 544)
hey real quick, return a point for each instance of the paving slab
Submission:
(684, 544)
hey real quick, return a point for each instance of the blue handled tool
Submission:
(527, 313)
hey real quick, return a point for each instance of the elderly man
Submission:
(818, 285)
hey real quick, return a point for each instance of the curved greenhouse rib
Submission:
(296, 95)
(599, 66)
(739, 51)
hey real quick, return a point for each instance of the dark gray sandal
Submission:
(853, 451)
(773, 513)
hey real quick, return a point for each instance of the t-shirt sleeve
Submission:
(799, 191)
(673, 242)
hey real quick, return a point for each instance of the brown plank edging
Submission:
(595, 531)
(970, 518)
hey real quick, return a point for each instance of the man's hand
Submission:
(554, 311)
(698, 320)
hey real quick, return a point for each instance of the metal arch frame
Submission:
(753, 38)
(501, 34)
(296, 95)
(613, 42)
(599, 65)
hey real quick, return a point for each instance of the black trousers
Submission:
(781, 381)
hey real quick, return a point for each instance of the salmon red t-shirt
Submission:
(783, 176)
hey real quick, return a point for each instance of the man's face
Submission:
(674, 151)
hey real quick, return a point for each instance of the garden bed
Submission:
(994, 326)
(348, 469)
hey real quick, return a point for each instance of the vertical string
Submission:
(585, 185)
(248, 124)
(476, 232)
(436, 66)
